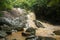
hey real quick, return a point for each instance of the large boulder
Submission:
(15, 18)
(10, 20)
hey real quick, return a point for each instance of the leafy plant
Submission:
(6, 4)
(26, 4)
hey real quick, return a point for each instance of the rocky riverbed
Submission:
(43, 32)
(17, 24)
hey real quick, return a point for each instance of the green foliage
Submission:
(53, 3)
(6, 4)
(41, 2)
(26, 4)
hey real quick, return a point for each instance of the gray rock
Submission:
(49, 38)
(26, 34)
(15, 19)
(31, 30)
(8, 32)
(39, 38)
(31, 38)
(6, 28)
(3, 39)
(15, 14)
(19, 28)
(38, 24)
(2, 34)
(45, 38)
(34, 38)
(3, 21)
(57, 32)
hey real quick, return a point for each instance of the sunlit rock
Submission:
(15, 18)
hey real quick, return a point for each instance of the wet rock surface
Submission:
(19, 29)
(3, 39)
(38, 24)
(9, 32)
(49, 38)
(31, 30)
(31, 38)
(57, 32)
(25, 34)
(39, 38)
(2, 34)
(3, 21)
